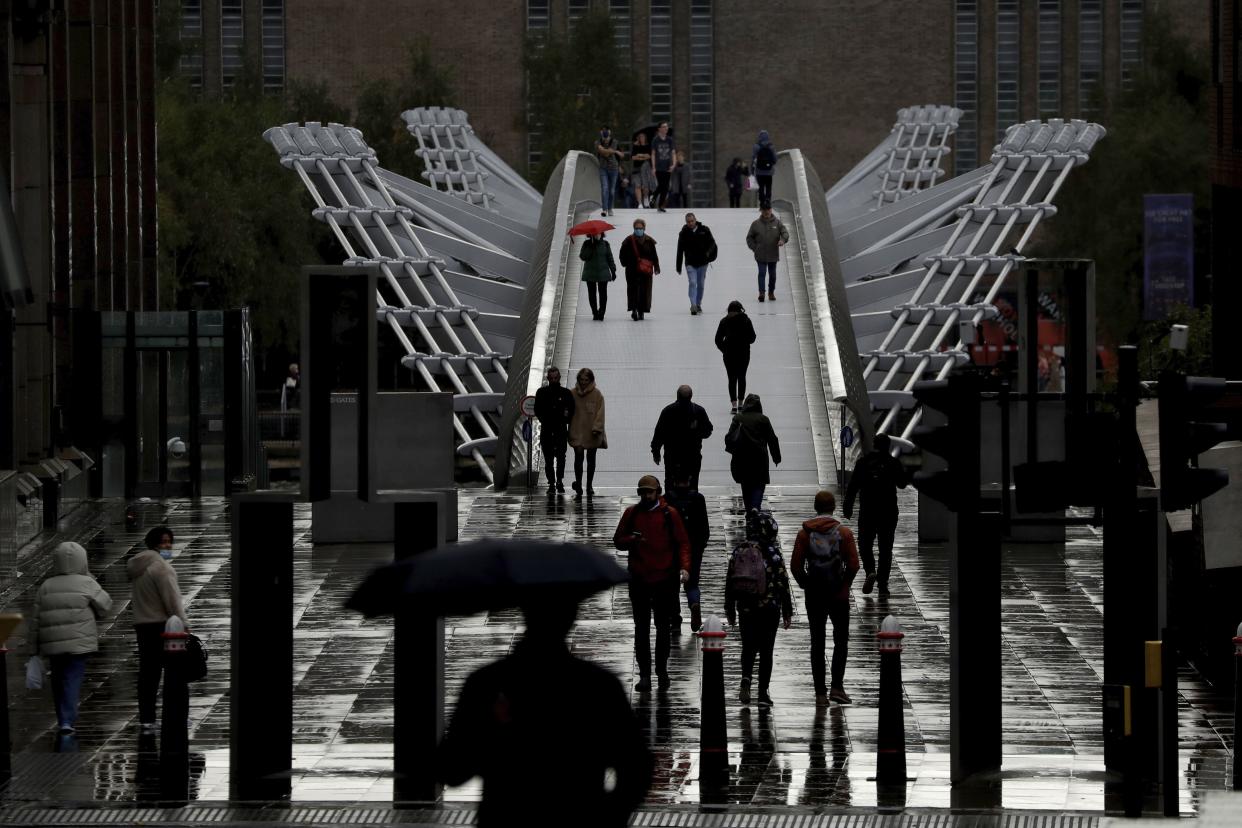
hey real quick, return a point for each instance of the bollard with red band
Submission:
(174, 730)
(1237, 707)
(890, 768)
(713, 736)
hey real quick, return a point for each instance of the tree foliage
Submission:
(576, 83)
(1157, 142)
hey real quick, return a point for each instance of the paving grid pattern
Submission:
(793, 755)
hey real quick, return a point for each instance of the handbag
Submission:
(752, 183)
(34, 673)
(195, 658)
(645, 266)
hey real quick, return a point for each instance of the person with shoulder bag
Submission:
(750, 440)
(641, 262)
(64, 627)
(757, 596)
(156, 597)
(825, 561)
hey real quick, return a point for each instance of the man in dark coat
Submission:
(692, 507)
(750, 440)
(697, 248)
(554, 407)
(876, 478)
(518, 720)
(680, 431)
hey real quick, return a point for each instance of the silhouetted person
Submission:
(876, 478)
(156, 597)
(692, 507)
(540, 716)
(680, 432)
(734, 336)
(554, 406)
(757, 595)
(750, 440)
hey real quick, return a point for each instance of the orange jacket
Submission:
(662, 548)
(849, 549)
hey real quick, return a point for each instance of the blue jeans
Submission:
(607, 186)
(693, 593)
(697, 279)
(67, 673)
(770, 269)
(752, 495)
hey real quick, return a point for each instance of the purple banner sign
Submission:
(1168, 254)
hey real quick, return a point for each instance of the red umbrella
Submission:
(590, 228)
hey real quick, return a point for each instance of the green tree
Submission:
(576, 83)
(422, 82)
(1157, 142)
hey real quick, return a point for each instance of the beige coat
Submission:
(67, 606)
(156, 596)
(586, 429)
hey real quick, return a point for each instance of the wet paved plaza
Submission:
(791, 755)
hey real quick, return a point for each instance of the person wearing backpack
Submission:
(156, 597)
(683, 496)
(659, 559)
(763, 164)
(766, 236)
(64, 627)
(750, 440)
(877, 477)
(825, 561)
(757, 595)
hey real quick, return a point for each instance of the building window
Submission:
(577, 10)
(966, 84)
(231, 35)
(702, 116)
(622, 30)
(661, 60)
(1049, 58)
(537, 22)
(192, 37)
(1008, 40)
(1090, 55)
(1131, 40)
(273, 45)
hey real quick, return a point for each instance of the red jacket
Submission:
(662, 548)
(849, 549)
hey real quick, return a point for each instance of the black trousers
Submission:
(150, 668)
(683, 465)
(661, 193)
(765, 187)
(553, 448)
(735, 369)
(820, 609)
(658, 600)
(590, 464)
(597, 295)
(759, 638)
(870, 529)
(735, 199)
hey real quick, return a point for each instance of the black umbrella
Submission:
(650, 131)
(492, 573)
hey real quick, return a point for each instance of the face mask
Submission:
(638, 231)
(166, 554)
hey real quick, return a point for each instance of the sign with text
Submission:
(1168, 254)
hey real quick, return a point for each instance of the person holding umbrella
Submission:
(659, 559)
(598, 267)
(641, 262)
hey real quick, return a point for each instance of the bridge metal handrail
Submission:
(574, 181)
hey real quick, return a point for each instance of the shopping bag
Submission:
(752, 183)
(34, 673)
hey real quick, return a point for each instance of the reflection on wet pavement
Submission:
(793, 754)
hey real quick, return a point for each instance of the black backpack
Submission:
(766, 158)
(825, 567)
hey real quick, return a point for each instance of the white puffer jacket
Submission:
(67, 605)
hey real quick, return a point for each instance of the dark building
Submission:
(1226, 126)
(77, 126)
(231, 36)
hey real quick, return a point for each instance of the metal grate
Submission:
(660, 60)
(273, 33)
(577, 10)
(622, 28)
(232, 34)
(966, 83)
(1008, 64)
(702, 114)
(1049, 58)
(1131, 40)
(538, 20)
(1090, 54)
(192, 31)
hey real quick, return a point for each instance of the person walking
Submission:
(680, 183)
(692, 506)
(664, 160)
(680, 432)
(155, 597)
(517, 719)
(598, 269)
(64, 627)
(641, 262)
(659, 558)
(757, 595)
(697, 247)
(586, 429)
(734, 336)
(609, 155)
(735, 180)
(874, 482)
(763, 164)
(554, 407)
(641, 178)
(750, 440)
(824, 563)
(766, 237)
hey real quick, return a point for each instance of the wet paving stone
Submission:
(793, 755)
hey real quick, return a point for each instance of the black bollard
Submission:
(890, 766)
(1237, 707)
(6, 745)
(174, 735)
(713, 736)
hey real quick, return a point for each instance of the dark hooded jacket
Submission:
(681, 429)
(876, 478)
(554, 406)
(849, 551)
(735, 334)
(750, 440)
